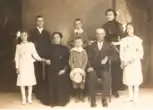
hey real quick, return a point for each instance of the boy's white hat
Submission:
(76, 75)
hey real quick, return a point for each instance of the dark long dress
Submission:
(113, 30)
(58, 85)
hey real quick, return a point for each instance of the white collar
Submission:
(77, 49)
(78, 30)
(100, 45)
(40, 29)
(24, 42)
(100, 42)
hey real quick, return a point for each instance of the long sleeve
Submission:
(35, 54)
(17, 57)
(126, 52)
(71, 60)
(120, 31)
(90, 56)
(139, 50)
(85, 56)
(66, 57)
(122, 49)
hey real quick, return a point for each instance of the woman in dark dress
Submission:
(114, 33)
(57, 74)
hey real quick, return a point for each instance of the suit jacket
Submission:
(74, 35)
(95, 55)
(41, 41)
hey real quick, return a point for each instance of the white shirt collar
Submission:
(40, 29)
(78, 30)
(100, 45)
(77, 49)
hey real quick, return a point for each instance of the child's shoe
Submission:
(29, 100)
(24, 101)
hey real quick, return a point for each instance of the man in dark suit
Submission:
(98, 67)
(78, 31)
(41, 38)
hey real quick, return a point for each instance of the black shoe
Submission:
(93, 102)
(52, 105)
(104, 103)
(82, 99)
(93, 105)
(77, 96)
(77, 99)
(116, 95)
(123, 88)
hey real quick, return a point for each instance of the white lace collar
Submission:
(78, 30)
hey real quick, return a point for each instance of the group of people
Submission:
(60, 72)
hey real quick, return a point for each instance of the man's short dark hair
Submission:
(39, 16)
(77, 19)
(111, 10)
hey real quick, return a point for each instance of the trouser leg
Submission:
(106, 81)
(82, 88)
(91, 83)
(116, 74)
(76, 92)
(38, 74)
(106, 85)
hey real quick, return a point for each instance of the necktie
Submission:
(100, 46)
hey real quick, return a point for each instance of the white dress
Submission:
(24, 58)
(131, 48)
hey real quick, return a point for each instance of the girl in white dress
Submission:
(131, 53)
(24, 58)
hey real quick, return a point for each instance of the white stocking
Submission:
(29, 94)
(136, 93)
(130, 90)
(23, 94)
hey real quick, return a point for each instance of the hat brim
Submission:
(76, 75)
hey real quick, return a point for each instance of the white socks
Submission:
(136, 94)
(23, 95)
(133, 93)
(130, 88)
(24, 100)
